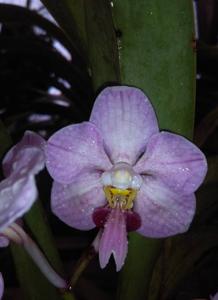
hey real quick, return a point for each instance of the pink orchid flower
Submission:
(120, 173)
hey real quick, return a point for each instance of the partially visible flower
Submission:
(20, 165)
(215, 297)
(118, 172)
(18, 192)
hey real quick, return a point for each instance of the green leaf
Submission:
(156, 54)
(83, 22)
(142, 255)
(33, 283)
(102, 43)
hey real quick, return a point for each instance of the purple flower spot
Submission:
(100, 216)
(133, 221)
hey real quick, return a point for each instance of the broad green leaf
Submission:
(102, 43)
(90, 24)
(156, 54)
(142, 255)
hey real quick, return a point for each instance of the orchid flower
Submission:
(120, 173)
(215, 297)
(17, 194)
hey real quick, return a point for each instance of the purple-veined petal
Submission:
(1, 286)
(126, 119)
(26, 155)
(114, 239)
(74, 203)
(75, 149)
(175, 161)
(17, 194)
(163, 212)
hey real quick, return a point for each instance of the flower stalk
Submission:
(17, 235)
(81, 265)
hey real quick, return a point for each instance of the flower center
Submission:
(121, 184)
(123, 198)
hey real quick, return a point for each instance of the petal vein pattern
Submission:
(175, 161)
(74, 203)
(73, 150)
(126, 120)
(163, 212)
(114, 239)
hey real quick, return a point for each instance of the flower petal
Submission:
(26, 155)
(1, 286)
(175, 161)
(114, 239)
(74, 149)
(215, 297)
(163, 212)
(4, 242)
(74, 203)
(126, 120)
(17, 194)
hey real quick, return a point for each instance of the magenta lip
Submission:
(100, 216)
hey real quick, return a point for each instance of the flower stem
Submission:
(81, 265)
(16, 234)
